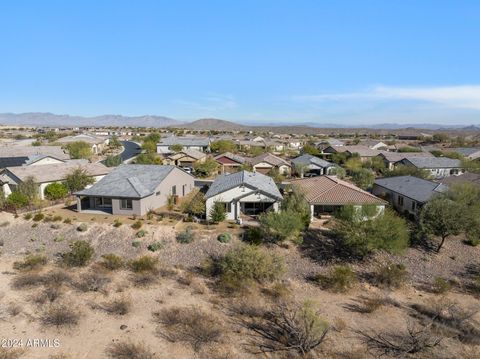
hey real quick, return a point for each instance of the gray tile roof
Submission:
(184, 141)
(466, 151)
(419, 189)
(129, 181)
(307, 159)
(434, 162)
(268, 158)
(255, 180)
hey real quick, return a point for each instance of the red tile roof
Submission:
(330, 190)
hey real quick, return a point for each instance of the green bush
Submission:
(186, 236)
(117, 223)
(156, 246)
(224, 237)
(472, 241)
(217, 213)
(281, 226)
(143, 264)
(57, 218)
(55, 191)
(30, 262)
(67, 221)
(38, 217)
(112, 261)
(136, 244)
(244, 266)
(391, 275)
(137, 225)
(17, 200)
(82, 227)
(253, 235)
(141, 233)
(339, 279)
(441, 285)
(27, 216)
(80, 254)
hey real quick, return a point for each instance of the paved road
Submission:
(131, 149)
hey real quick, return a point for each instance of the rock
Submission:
(123, 327)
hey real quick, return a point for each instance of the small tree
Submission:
(176, 147)
(363, 178)
(80, 254)
(281, 226)
(442, 217)
(17, 200)
(295, 202)
(56, 191)
(113, 161)
(218, 213)
(194, 204)
(78, 179)
(29, 188)
(221, 146)
(79, 149)
(206, 168)
(150, 146)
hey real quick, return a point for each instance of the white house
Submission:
(201, 144)
(439, 167)
(243, 193)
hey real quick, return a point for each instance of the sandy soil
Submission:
(97, 329)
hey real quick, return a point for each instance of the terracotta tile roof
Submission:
(269, 158)
(330, 190)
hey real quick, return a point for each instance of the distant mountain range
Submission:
(50, 119)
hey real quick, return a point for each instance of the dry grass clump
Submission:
(112, 261)
(339, 279)
(60, 315)
(190, 325)
(27, 280)
(390, 275)
(144, 279)
(56, 277)
(92, 282)
(117, 306)
(277, 291)
(144, 264)
(31, 261)
(49, 294)
(11, 353)
(129, 350)
(13, 309)
(367, 305)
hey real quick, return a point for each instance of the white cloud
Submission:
(466, 96)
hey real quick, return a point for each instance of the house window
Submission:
(157, 193)
(101, 202)
(228, 207)
(126, 204)
(400, 200)
(174, 190)
(414, 205)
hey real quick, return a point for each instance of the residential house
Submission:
(390, 158)
(307, 163)
(471, 153)
(201, 144)
(365, 153)
(467, 177)
(135, 189)
(186, 158)
(97, 143)
(230, 162)
(439, 167)
(328, 194)
(11, 156)
(375, 144)
(407, 194)
(243, 193)
(266, 162)
(45, 174)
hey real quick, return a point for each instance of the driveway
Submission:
(131, 149)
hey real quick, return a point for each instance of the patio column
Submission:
(312, 211)
(79, 204)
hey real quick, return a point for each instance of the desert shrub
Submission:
(390, 275)
(186, 236)
(118, 306)
(144, 264)
(56, 277)
(80, 254)
(339, 279)
(472, 241)
(27, 216)
(253, 235)
(92, 282)
(117, 223)
(217, 213)
(141, 233)
(30, 262)
(27, 280)
(67, 221)
(362, 235)
(49, 294)
(129, 350)
(144, 279)
(38, 217)
(277, 291)
(295, 329)
(11, 353)
(17, 200)
(136, 244)
(156, 246)
(190, 325)
(60, 315)
(417, 339)
(56, 191)
(13, 309)
(82, 227)
(137, 224)
(441, 285)
(244, 266)
(112, 261)
(281, 226)
(57, 218)
(224, 237)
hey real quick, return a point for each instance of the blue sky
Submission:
(273, 61)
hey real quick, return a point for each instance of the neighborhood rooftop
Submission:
(330, 190)
(434, 162)
(129, 181)
(184, 141)
(254, 180)
(307, 159)
(418, 189)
